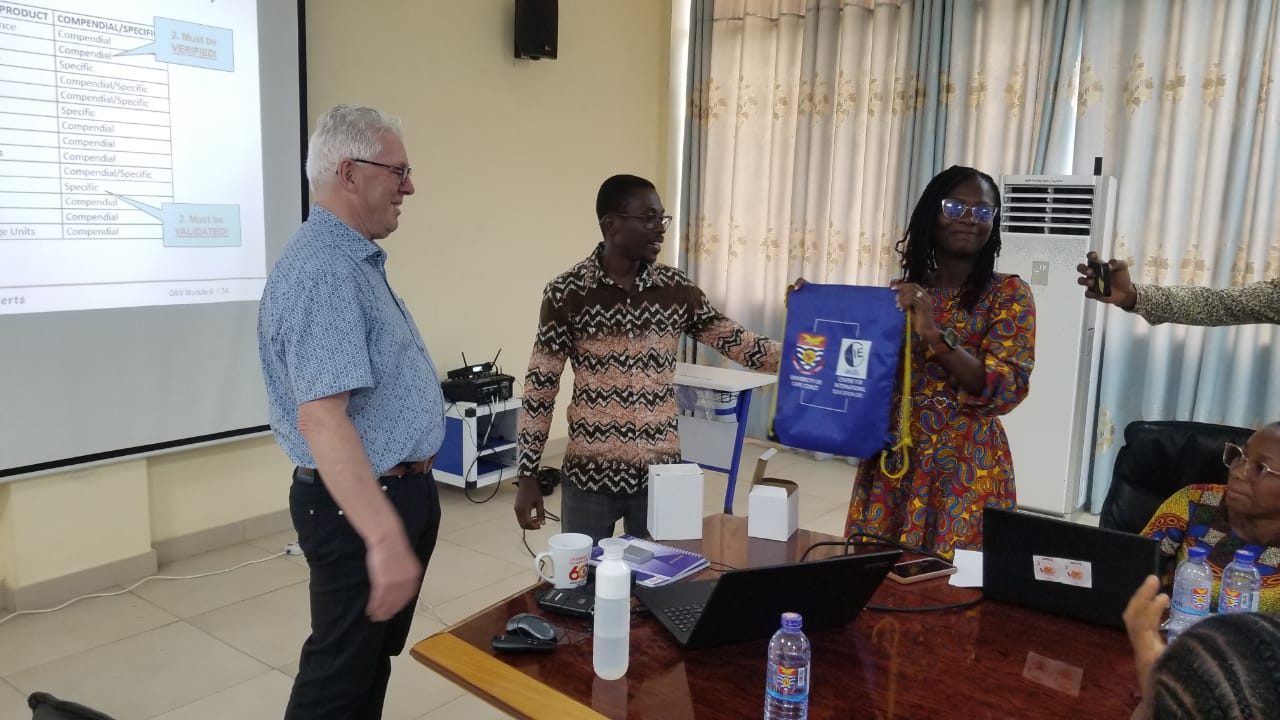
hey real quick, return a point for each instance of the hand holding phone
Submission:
(913, 571)
(1101, 283)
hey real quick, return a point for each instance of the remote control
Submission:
(519, 644)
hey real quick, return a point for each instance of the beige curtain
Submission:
(820, 121)
(1177, 97)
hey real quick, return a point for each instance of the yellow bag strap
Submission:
(904, 412)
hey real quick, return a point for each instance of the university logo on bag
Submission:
(810, 349)
(854, 358)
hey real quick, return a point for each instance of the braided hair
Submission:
(916, 248)
(1227, 666)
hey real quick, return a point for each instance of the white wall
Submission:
(507, 157)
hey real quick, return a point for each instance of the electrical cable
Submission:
(480, 445)
(889, 542)
(131, 587)
(524, 538)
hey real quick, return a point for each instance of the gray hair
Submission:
(346, 131)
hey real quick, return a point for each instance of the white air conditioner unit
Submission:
(1047, 225)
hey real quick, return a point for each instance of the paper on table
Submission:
(968, 568)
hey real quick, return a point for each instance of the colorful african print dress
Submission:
(959, 459)
(1197, 515)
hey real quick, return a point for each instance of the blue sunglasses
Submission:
(954, 210)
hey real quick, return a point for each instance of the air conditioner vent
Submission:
(1047, 209)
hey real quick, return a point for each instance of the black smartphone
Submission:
(1101, 277)
(923, 569)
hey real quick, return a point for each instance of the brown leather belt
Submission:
(311, 476)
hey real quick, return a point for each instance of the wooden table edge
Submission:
(496, 682)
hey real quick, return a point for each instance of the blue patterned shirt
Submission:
(329, 323)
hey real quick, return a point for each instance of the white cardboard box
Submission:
(773, 508)
(675, 502)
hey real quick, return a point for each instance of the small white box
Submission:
(675, 502)
(773, 508)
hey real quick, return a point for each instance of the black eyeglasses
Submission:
(403, 172)
(1233, 456)
(649, 221)
(954, 210)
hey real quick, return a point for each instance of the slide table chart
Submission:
(81, 126)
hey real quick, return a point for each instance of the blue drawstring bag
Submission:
(840, 355)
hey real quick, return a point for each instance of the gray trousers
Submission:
(596, 514)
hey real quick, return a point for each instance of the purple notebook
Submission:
(667, 564)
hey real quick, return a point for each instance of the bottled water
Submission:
(1241, 584)
(1192, 591)
(610, 652)
(786, 685)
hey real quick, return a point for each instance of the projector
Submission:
(481, 390)
(480, 383)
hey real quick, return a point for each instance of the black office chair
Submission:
(1158, 459)
(47, 707)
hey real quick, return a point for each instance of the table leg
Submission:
(744, 406)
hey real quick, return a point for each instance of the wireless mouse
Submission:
(531, 626)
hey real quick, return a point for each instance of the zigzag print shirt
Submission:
(1257, 302)
(622, 414)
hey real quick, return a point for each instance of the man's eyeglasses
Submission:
(403, 172)
(649, 221)
(954, 210)
(1233, 457)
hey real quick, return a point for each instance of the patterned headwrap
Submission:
(1227, 666)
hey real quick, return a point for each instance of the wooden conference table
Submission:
(990, 661)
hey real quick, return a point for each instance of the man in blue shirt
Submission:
(355, 402)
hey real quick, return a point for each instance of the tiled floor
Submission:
(227, 646)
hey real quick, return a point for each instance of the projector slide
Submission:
(131, 163)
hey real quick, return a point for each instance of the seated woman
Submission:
(971, 358)
(1224, 667)
(1244, 513)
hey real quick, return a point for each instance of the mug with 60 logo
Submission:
(568, 555)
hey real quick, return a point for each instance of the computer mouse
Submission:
(531, 626)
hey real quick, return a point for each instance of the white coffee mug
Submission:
(568, 555)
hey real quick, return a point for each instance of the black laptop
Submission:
(744, 605)
(1062, 567)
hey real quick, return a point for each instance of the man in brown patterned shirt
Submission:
(617, 316)
(1257, 302)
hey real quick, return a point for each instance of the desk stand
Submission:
(706, 442)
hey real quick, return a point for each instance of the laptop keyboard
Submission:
(684, 616)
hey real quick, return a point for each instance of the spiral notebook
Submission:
(668, 563)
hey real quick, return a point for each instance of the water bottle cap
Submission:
(1197, 552)
(613, 547)
(792, 621)
(1246, 557)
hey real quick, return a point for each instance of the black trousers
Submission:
(346, 662)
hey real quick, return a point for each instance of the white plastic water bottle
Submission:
(1241, 584)
(1192, 592)
(786, 685)
(611, 646)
